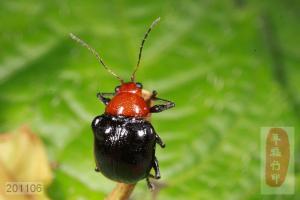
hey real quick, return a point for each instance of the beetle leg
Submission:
(161, 107)
(159, 141)
(153, 95)
(156, 169)
(97, 169)
(149, 184)
(101, 97)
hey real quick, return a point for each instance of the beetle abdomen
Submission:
(124, 147)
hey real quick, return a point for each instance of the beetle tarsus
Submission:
(101, 97)
(160, 107)
(149, 184)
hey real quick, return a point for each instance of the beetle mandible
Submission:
(124, 141)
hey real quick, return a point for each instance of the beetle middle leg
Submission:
(161, 107)
(159, 141)
(101, 97)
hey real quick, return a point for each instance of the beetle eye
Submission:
(139, 85)
(117, 89)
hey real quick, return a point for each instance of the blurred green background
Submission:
(230, 66)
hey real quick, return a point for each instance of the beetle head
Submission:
(130, 87)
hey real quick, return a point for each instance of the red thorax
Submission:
(128, 101)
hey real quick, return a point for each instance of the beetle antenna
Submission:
(141, 47)
(95, 53)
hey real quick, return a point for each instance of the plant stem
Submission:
(123, 191)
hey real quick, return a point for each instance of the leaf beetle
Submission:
(124, 140)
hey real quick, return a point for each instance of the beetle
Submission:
(124, 140)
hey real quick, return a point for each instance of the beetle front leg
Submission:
(161, 107)
(101, 97)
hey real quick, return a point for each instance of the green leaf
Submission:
(230, 67)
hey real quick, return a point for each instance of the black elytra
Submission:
(124, 147)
